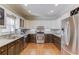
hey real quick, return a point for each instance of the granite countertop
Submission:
(58, 35)
(4, 41)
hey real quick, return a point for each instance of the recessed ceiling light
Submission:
(26, 5)
(51, 11)
(56, 4)
(29, 11)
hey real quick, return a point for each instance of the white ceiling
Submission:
(44, 10)
(41, 10)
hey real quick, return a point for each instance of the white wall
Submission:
(4, 31)
(47, 23)
(62, 18)
(66, 15)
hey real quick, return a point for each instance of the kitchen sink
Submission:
(9, 37)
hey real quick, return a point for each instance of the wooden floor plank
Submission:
(41, 49)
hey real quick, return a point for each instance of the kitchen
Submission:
(39, 29)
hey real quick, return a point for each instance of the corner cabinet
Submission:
(57, 42)
(32, 38)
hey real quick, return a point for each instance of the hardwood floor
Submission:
(41, 49)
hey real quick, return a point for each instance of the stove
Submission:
(40, 37)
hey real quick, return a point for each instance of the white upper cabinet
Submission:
(21, 23)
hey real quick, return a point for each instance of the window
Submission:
(10, 24)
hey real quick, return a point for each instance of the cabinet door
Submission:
(32, 38)
(53, 38)
(26, 41)
(57, 42)
(21, 43)
(12, 50)
(17, 48)
(4, 53)
(21, 23)
(3, 50)
(48, 38)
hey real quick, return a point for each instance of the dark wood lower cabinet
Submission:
(26, 42)
(3, 50)
(32, 38)
(13, 48)
(57, 42)
(4, 53)
(48, 38)
(17, 47)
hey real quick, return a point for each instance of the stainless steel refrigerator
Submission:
(70, 36)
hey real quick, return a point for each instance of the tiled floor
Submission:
(41, 49)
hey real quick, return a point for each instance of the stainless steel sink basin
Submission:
(9, 37)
